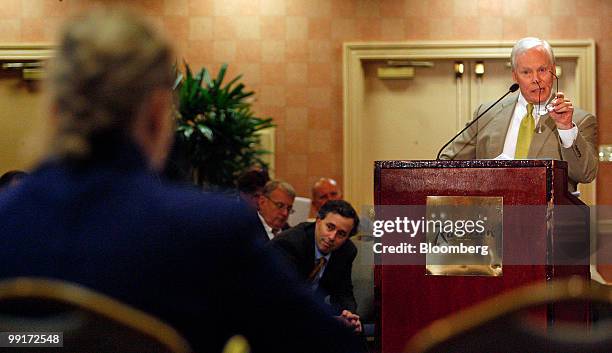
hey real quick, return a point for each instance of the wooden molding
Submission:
(26, 51)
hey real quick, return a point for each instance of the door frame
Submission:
(355, 53)
(45, 51)
(26, 51)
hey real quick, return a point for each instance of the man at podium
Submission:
(536, 124)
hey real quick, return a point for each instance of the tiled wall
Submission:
(290, 52)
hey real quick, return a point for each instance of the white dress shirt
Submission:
(520, 110)
(266, 226)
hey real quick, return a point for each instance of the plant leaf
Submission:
(206, 131)
(217, 131)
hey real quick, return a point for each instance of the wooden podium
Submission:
(541, 221)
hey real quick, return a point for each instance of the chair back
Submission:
(88, 320)
(237, 344)
(301, 205)
(507, 323)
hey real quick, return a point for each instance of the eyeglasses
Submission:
(556, 78)
(281, 206)
(550, 107)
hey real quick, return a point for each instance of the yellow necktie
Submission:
(525, 134)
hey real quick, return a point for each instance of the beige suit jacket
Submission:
(485, 140)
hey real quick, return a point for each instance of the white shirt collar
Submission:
(541, 108)
(266, 226)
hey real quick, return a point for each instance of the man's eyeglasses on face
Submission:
(281, 206)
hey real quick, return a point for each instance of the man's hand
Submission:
(351, 320)
(562, 111)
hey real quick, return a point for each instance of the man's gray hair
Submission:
(108, 62)
(527, 43)
(278, 184)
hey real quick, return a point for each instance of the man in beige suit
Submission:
(535, 125)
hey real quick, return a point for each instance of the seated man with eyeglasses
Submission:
(322, 255)
(274, 207)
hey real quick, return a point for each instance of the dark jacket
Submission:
(188, 258)
(297, 244)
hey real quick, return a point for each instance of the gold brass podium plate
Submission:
(464, 236)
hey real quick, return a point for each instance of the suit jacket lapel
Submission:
(547, 126)
(309, 242)
(497, 126)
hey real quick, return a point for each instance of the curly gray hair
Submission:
(107, 64)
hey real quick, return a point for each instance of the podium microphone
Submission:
(512, 88)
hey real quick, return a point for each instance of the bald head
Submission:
(323, 190)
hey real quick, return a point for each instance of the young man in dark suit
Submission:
(322, 254)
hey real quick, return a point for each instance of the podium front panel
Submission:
(408, 299)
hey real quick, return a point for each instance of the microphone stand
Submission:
(512, 89)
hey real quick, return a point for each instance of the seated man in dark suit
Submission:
(96, 214)
(323, 255)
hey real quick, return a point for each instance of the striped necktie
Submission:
(525, 134)
(315, 271)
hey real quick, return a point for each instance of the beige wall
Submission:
(290, 52)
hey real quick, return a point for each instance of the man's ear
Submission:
(159, 105)
(153, 127)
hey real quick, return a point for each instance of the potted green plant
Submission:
(217, 133)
